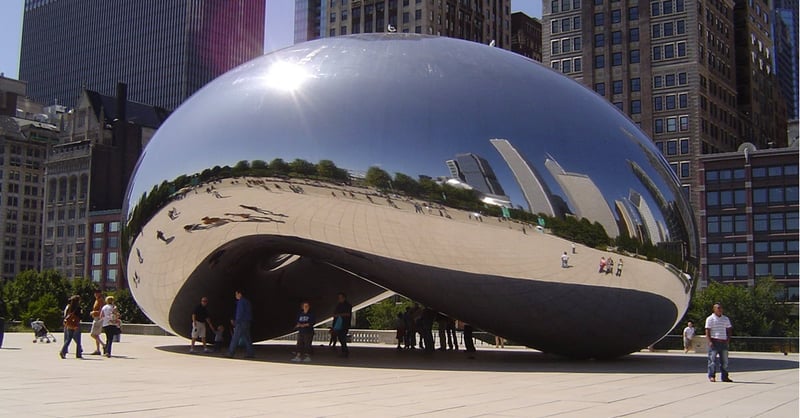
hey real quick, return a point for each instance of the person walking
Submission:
(305, 333)
(688, 334)
(97, 323)
(341, 321)
(602, 265)
(241, 323)
(573, 248)
(199, 321)
(619, 268)
(111, 322)
(72, 327)
(718, 333)
(564, 260)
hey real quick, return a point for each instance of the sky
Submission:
(279, 28)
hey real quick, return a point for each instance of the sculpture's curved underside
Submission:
(406, 104)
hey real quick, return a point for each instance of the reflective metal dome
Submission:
(372, 164)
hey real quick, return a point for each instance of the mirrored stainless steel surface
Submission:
(382, 163)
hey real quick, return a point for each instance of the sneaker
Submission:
(296, 359)
(307, 359)
(62, 355)
(712, 379)
(727, 379)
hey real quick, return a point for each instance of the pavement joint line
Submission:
(776, 407)
(134, 411)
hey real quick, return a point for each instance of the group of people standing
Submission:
(105, 319)
(607, 266)
(419, 321)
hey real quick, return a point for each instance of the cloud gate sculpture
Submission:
(450, 172)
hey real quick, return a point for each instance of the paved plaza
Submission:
(155, 376)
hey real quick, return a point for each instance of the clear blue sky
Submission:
(279, 27)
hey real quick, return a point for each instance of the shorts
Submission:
(687, 343)
(97, 327)
(199, 331)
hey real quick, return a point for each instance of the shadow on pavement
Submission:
(494, 360)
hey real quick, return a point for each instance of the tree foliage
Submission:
(29, 286)
(754, 311)
(129, 310)
(85, 289)
(382, 315)
(378, 178)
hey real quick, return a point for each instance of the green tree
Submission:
(754, 311)
(382, 315)
(258, 165)
(241, 167)
(30, 285)
(327, 169)
(278, 166)
(302, 167)
(406, 184)
(377, 177)
(45, 308)
(129, 310)
(85, 289)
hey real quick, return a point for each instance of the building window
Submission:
(556, 65)
(616, 87)
(666, 7)
(634, 56)
(684, 169)
(619, 106)
(599, 61)
(672, 124)
(656, 53)
(555, 27)
(616, 59)
(576, 23)
(658, 103)
(659, 126)
(681, 49)
(616, 16)
(633, 35)
(600, 88)
(565, 25)
(97, 275)
(678, 6)
(684, 146)
(669, 51)
(760, 222)
(576, 44)
(599, 19)
(599, 40)
(566, 45)
(680, 27)
(655, 10)
(112, 258)
(112, 275)
(636, 84)
(616, 37)
(684, 123)
(670, 101)
(97, 259)
(636, 107)
(566, 66)
(554, 6)
(633, 13)
(98, 228)
(555, 47)
(667, 29)
(658, 81)
(576, 65)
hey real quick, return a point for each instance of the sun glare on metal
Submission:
(286, 76)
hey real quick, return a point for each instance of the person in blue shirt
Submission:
(241, 323)
(305, 333)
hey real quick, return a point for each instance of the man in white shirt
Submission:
(688, 334)
(718, 333)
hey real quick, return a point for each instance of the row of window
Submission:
(565, 45)
(112, 259)
(616, 16)
(681, 168)
(761, 196)
(97, 243)
(671, 102)
(634, 84)
(71, 231)
(739, 248)
(565, 25)
(671, 124)
(666, 7)
(634, 57)
(111, 275)
(616, 37)
(740, 270)
(673, 146)
(569, 65)
(762, 222)
(790, 170)
(669, 50)
(665, 29)
(564, 5)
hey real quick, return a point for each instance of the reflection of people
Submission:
(573, 248)
(602, 265)
(688, 333)
(564, 260)
(341, 321)
(242, 322)
(718, 332)
(619, 268)
(468, 342)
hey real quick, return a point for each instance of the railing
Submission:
(753, 344)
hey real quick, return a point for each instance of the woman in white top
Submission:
(110, 317)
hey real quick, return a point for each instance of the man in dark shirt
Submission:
(199, 320)
(341, 321)
(241, 323)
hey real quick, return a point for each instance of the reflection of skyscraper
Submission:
(654, 233)
(475, 171)
(584, 197)
(626, 218)
(536, 192)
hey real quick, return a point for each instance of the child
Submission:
(305, 333)
(219, 338)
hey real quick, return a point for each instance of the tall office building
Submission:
(473, 20)
(475, 171)
(526, 35)
(749, 217)
(785, 28)
(669, 65)
(762, 111)
(163, 50)
(534, 190)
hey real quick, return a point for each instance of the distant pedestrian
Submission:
(241, 326)
(72, 327)
(718, 333)
(111, 322)
(332, 338)
(602, 265)
(97, 323)
(564, 260)
(441, 324)
(428, 317)
(341, 321)
(452, 338)
(468, 342)
(199, 321)
(609, 265)
(400, 330)
(219, 338)
(688, 334)
(619, 268)
(305, 333)
(499, 342)
(573, 248)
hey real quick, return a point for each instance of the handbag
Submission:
(338, 324)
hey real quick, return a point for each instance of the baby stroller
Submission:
(41, 333)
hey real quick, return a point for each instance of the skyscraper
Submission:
(785, 23)
(476, 171)
(474, 20)
(526, 35)
(669, 65)
(535, 191)
(163, 50)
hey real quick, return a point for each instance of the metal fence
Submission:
(754, 344)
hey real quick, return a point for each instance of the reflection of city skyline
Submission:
(475, 171)
(584, 196)
(534, 190)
